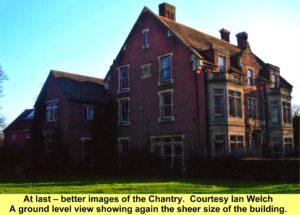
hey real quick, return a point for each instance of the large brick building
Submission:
(183, 93)
(65, 111)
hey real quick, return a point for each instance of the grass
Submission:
(142, 185)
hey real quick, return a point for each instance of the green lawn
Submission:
(143, 185)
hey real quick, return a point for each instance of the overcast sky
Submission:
(84, 36)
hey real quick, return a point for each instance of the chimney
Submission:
(168, 11)
(242, 39)
(225, 35)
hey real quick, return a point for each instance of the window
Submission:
(277, 146)
(286, 112)
(165, 68)
(274, 112)
(146, 38)
(288, 145)
(250, 77)
(88, 113)
(124, 111)
(170, 149)
(235, 104)
(166, 105)
(87, 152)
(251, 108)
(236, 143)
(13, 136)
(219, 142)
(28, 136)
(123, 78)
(218, 102)
(51, 112)
(49, 143)
(146, 71)
(275, 80)
(222, 63)
(123, 145)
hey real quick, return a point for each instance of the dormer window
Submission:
(222, 63)
(146, 38)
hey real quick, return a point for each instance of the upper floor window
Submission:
(123, 111)
(146, 38)
(251, 108)
(165, 68)
(146, 71)
(218, 102)
(166, 105)
(250, 77)
(286, 112)
(274, 111)
(123, 78)
(222, 63)
(235, 104)
(123, 145)
(88, 113)
(51, 112)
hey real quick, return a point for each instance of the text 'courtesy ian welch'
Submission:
(149, 204)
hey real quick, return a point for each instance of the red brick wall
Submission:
(144, 99)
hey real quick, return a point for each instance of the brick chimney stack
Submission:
(225, 35)
(168, 11)
(242, 39)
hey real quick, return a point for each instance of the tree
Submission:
(3, 77)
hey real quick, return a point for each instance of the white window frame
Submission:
(120, 111)
(145, 33)
(121, 147)
(88, 113)
(86, 153)
(120, 79)
(170, 80)
(286, 112)
(250, 77)
(146, 71)
(236, 143)
(163, 118)
(160, 143)
(236, 106)
(52, 111)
(222, 68)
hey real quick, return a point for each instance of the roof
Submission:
(79, 87)
(23, 121)
(197, 39)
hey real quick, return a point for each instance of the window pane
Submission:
(165, 68)
(222, 63)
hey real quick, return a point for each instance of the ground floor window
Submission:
(170, 149)
(124, 145)
(288, 145)
(49, 143)
(87, 152)
(236, 143)
(219, 143)
(276, 146)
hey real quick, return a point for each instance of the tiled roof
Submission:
(197, 39)
(23, 121)
(79, 87)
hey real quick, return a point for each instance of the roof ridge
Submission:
(194, 29)
(77, 77)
